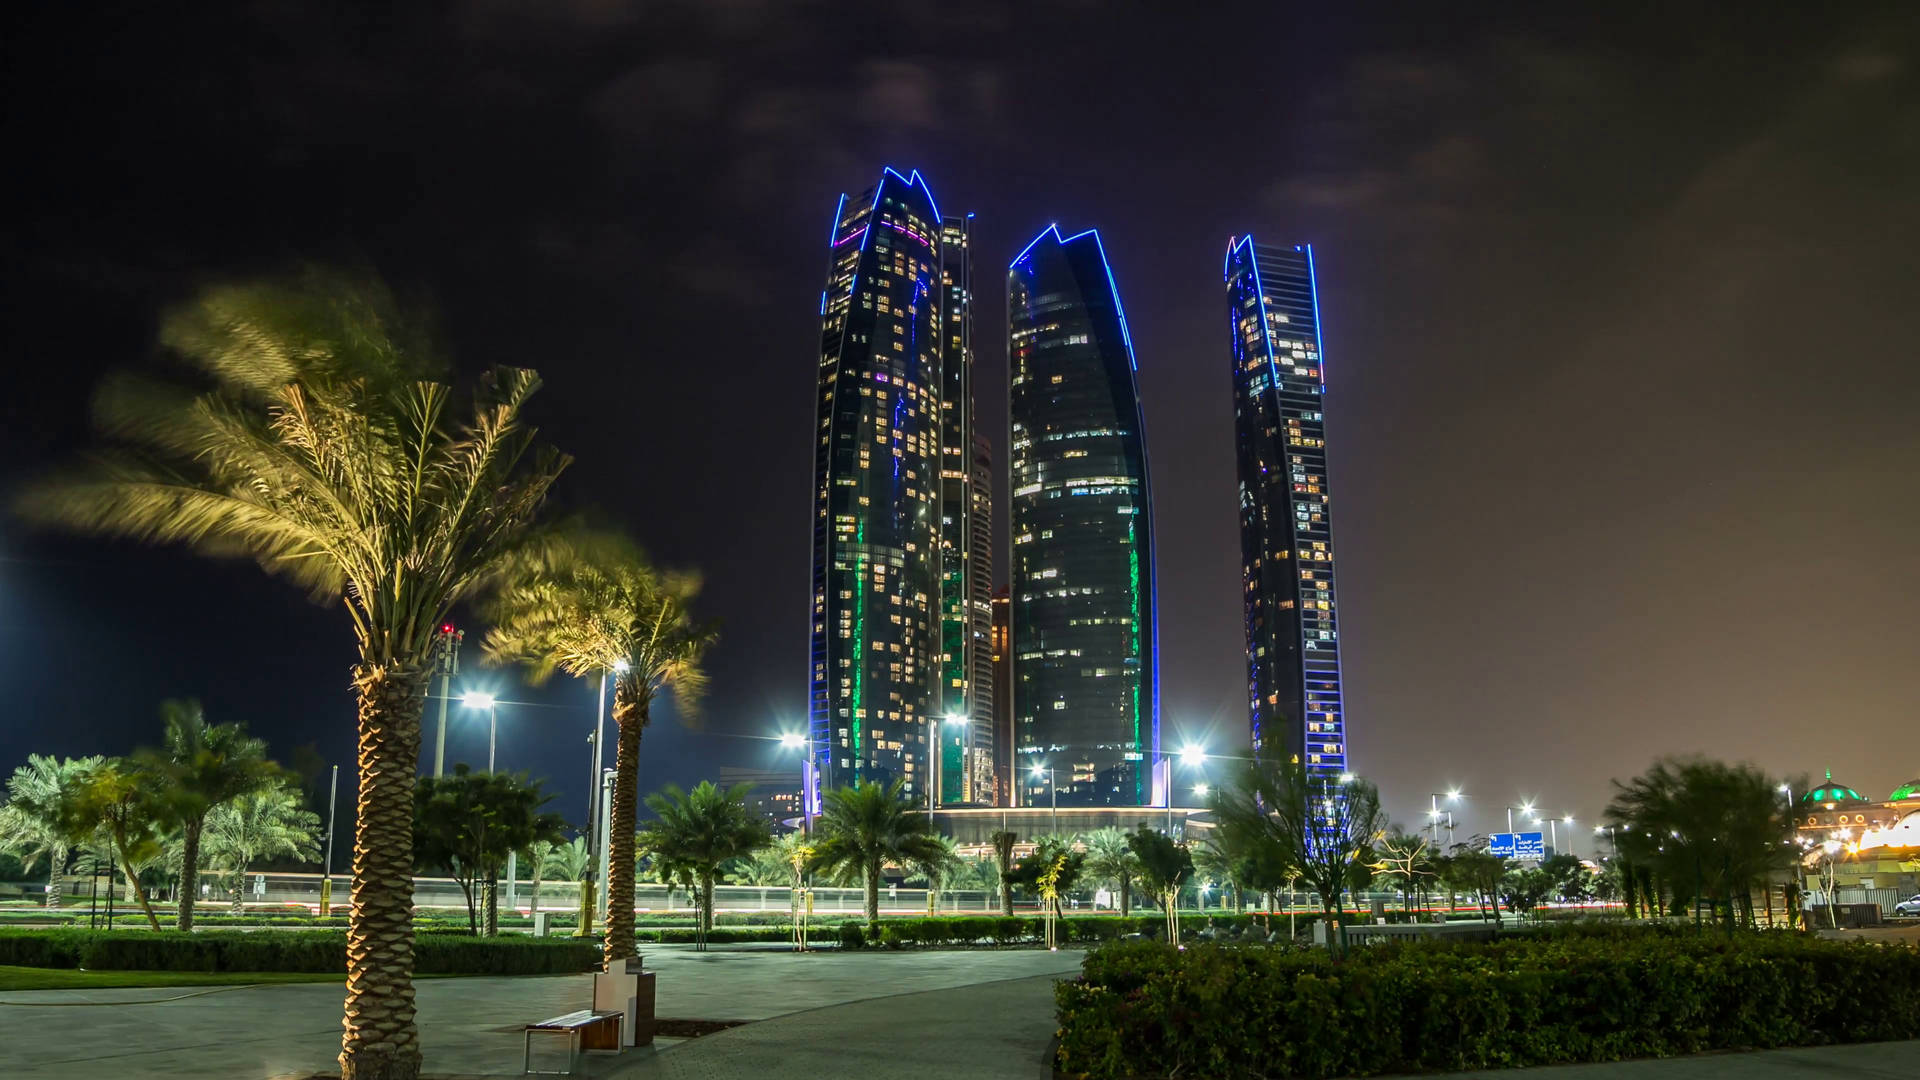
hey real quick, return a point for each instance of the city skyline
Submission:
(1544, 584)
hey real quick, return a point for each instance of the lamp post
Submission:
(1525, 808)
(447, 661)
(476, 700)
(809, 779)
(1053, 794)
(1433, 812)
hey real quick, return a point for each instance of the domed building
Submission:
(1828, 807)
(1879, 841)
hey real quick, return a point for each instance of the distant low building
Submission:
(775, 795)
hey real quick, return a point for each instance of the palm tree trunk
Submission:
(189, 872)
(873, 897)
(490, 889)
(534, 905)
(706, 900)
(630, 717)
(379, 1041)
(53, 881)
(138, 893)
(1126, 895)
(239, 890)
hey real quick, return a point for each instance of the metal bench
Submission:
(588, 1029)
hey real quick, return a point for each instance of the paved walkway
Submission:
(469, 1027)
(1863, 1061)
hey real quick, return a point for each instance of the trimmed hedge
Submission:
(1144, 1010)
(312, 951)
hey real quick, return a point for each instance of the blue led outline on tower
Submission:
(1133, 364)
(821, 749)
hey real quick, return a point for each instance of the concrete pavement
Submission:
(468, 1027)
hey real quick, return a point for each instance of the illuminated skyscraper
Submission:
(1086, 686)
(875, 691)
(965, 541)
(1286, 536)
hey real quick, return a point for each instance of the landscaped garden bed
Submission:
(1577, 995)
(268, 950)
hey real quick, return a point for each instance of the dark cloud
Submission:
(1618, 318)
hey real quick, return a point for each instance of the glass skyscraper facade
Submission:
(1085, 667)
(965, 541)
(1286, 527)
(875, 696)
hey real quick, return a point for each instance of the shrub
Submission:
(851, 935)
(719, 935)
(1578, 996)
(141, 950)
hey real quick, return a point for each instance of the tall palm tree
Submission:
(863, 828)
(199, 767)
(323, 444)
(1109, 858)
(30, 821)
(592, 604)
(700, 829)
(263, 824)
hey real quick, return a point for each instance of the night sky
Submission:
(1620, 327)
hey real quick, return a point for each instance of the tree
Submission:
(591, 604)
(30, 825)
(864, 827)
(1708, 830)
(1320, 824)
(1479, 873)
(1003, 845)
(935, 867)
(468, 823)
(1406, 858)
(200, 767)
(116, 805)
(1523, 888)
(701, 829)
(1165, 866)
(1054, 859)
(1569, 878)
(1111, 859)
(323, 444)
(268, 823)
(538, 855)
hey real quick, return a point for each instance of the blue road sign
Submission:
(1529, 845)
(1500, 845)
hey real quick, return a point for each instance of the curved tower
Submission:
(1085, 673)
(1286, 526)
(875, 663)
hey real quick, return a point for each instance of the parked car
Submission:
(1909, 906)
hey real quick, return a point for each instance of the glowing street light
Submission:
(1193, 754)
(473, 699)
(1201, 790)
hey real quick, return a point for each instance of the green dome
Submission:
(1908, 790)
(1831, 792)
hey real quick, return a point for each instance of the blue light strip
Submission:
(1054, 229)
(833, 233)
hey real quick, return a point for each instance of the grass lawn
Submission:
(32, 978)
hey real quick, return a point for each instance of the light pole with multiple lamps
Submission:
(1433, 813)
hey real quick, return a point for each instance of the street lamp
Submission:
(1193, 755)
(809, 779)
(1053, 792)
(1201, 790)
(473, 699)
(1433, 811)
(1525, 808)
